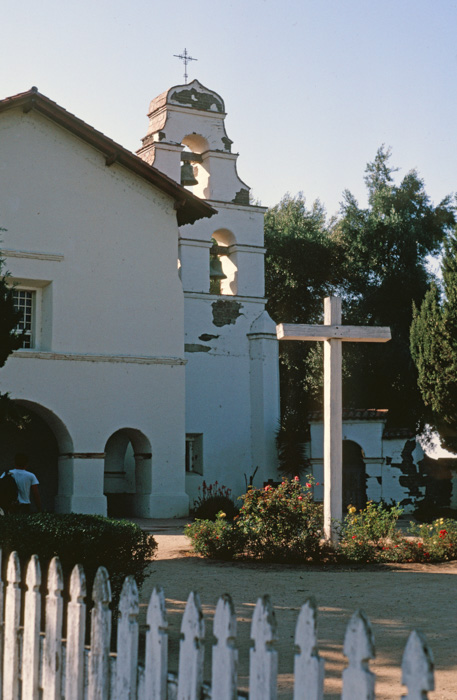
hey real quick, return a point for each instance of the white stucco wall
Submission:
(220, 401)
(386, 475)
(58, 196)
(102, 245)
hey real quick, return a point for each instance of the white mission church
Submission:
(150, 363)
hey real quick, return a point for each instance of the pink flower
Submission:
(317, 483)
(296, 478)
(308, 485)
(354, 536)
(300, 498)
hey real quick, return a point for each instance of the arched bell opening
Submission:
(354, 476)
(127, 477)
(194, 173)
(223, 263)
(44, 438)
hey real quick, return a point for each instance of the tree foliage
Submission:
(376, 259)
(299, 273)
(9, 340)
(385, 251)
(434, 348)
(9, 319)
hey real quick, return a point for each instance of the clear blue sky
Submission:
(312, 87)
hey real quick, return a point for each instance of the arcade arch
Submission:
(44, 438)
(127, 478)
(354, 476)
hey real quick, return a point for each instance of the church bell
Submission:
(215, 269)
(187, 175)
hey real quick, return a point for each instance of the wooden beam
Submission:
(354, 334)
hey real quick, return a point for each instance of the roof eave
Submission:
(189, 207)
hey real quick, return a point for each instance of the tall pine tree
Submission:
(434, 348)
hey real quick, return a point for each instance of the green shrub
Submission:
(274, 523)
(376, 521)
(212, 499)
(435, 542)
(370, 534)
(281, 523)
(217, 539)
(90, 540)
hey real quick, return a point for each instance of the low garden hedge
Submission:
(90, 540)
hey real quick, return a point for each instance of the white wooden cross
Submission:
(333, 334)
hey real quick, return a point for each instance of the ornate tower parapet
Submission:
(187, 134)
(186, 125)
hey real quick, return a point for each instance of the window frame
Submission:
(41, 312)
(35, 323)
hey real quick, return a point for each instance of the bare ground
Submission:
(396, 598)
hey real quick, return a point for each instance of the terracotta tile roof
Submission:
(189, 207)
(353, 414)
(398, 433)
(363, 414)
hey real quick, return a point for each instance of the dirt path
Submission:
(396, 599)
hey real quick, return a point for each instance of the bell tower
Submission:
(187, 140)
(186, 128)
(232, 383)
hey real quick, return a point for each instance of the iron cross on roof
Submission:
(185, 58)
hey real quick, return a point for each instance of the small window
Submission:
(194, 453)
(24, 301)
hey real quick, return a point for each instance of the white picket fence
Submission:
(41, 665)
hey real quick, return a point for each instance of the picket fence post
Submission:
(191, 650)
(225, 655)
(308, 666)
(100, 638)
(76, 633)
(417, 667)
(127, 642)
(12, 618)
(32, 628)
(358, 680)
(156, 657)
(52, 658)
(263, 662)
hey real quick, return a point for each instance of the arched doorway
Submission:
(127, 472)
(42, 437)
(354, 476)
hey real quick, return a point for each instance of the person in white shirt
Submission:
(27, 485)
